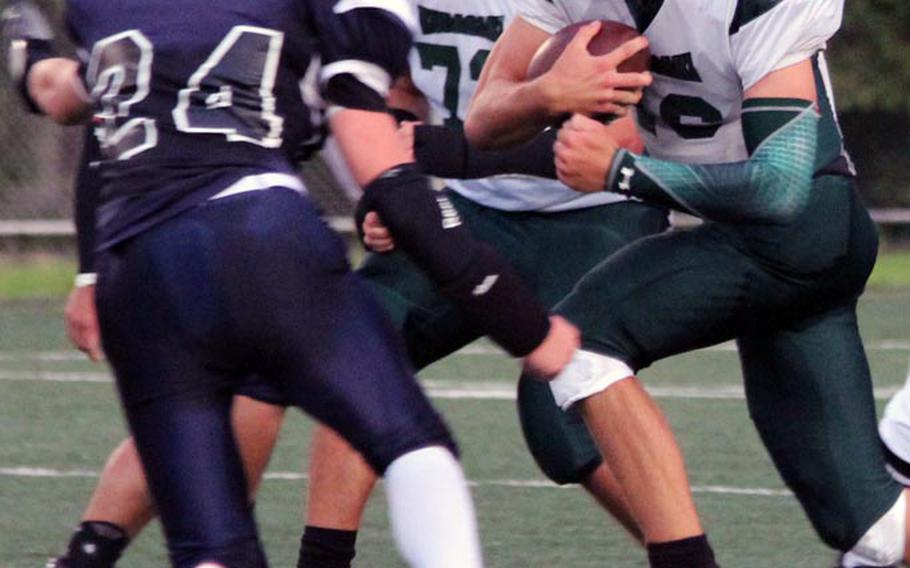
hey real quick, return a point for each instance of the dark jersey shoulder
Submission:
(191, 95)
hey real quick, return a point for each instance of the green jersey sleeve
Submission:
(771, 187)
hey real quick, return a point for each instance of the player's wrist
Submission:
(621, 173)
(84, 279)
(548, 96)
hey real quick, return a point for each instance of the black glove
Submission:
(27, 39)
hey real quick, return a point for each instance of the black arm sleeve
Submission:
(427, 227)
(88, 186)
(446, 152)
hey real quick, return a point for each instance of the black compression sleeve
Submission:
(88, 186)
(427, 227)
(446, 152)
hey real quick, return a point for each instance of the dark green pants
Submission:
(788, 296)
(552, 251)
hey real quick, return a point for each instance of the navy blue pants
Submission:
(250, 285)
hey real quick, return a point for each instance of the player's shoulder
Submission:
(752, 13)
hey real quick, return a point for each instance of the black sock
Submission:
(692, 552)
(326, 548)
(95, 544)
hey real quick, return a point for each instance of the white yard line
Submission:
(452, 389)
(479, 349)
(41, 472)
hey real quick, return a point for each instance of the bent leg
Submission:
(660, 296)
(194, 470)
(810, 396)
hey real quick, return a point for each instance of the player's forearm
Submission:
(427, 227)
(57, 90)
(445, 152)
(771, 187)
(367, 141)
(506, 112)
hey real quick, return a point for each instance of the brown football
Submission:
(611, 35)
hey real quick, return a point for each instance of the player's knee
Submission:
(428, 432)
(564, 472)
(883, 544)
(587, 374)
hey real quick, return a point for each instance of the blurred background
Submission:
(869, 59)
(59, 418)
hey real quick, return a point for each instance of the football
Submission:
(611, 35)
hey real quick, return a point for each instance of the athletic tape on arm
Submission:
(771, 187)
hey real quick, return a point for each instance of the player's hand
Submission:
(82, 322)
(584, 151)
(376, 236)
(556, 351)
(579, 82)
(405, 135)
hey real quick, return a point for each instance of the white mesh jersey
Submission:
(705, 54)
(453, 41)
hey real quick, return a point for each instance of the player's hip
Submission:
(833, 240)
(204, 277)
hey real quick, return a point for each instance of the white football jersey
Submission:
(705, 54)
(453, 40)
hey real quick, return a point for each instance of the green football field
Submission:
(59, 419)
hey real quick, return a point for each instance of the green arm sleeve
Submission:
(771, 187)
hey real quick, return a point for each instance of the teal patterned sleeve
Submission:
(771, 187)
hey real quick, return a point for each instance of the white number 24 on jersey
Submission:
(232, 93)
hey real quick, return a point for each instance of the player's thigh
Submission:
(155, 306)
(431, 326)
(664, 295)
(560, 248)
(810, 396)
(345, 364)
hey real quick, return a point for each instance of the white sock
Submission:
(431, 510)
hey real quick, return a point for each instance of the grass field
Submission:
(59, 419)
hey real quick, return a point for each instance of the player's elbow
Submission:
(787, 202)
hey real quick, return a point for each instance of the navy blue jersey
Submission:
(191, 96)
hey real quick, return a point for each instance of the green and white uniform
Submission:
(551, 234)
(786, 291)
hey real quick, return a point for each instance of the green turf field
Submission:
(59, 419)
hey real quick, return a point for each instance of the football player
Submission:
(587, 228)
(214, 266)
(740, 129)
(551, 234)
